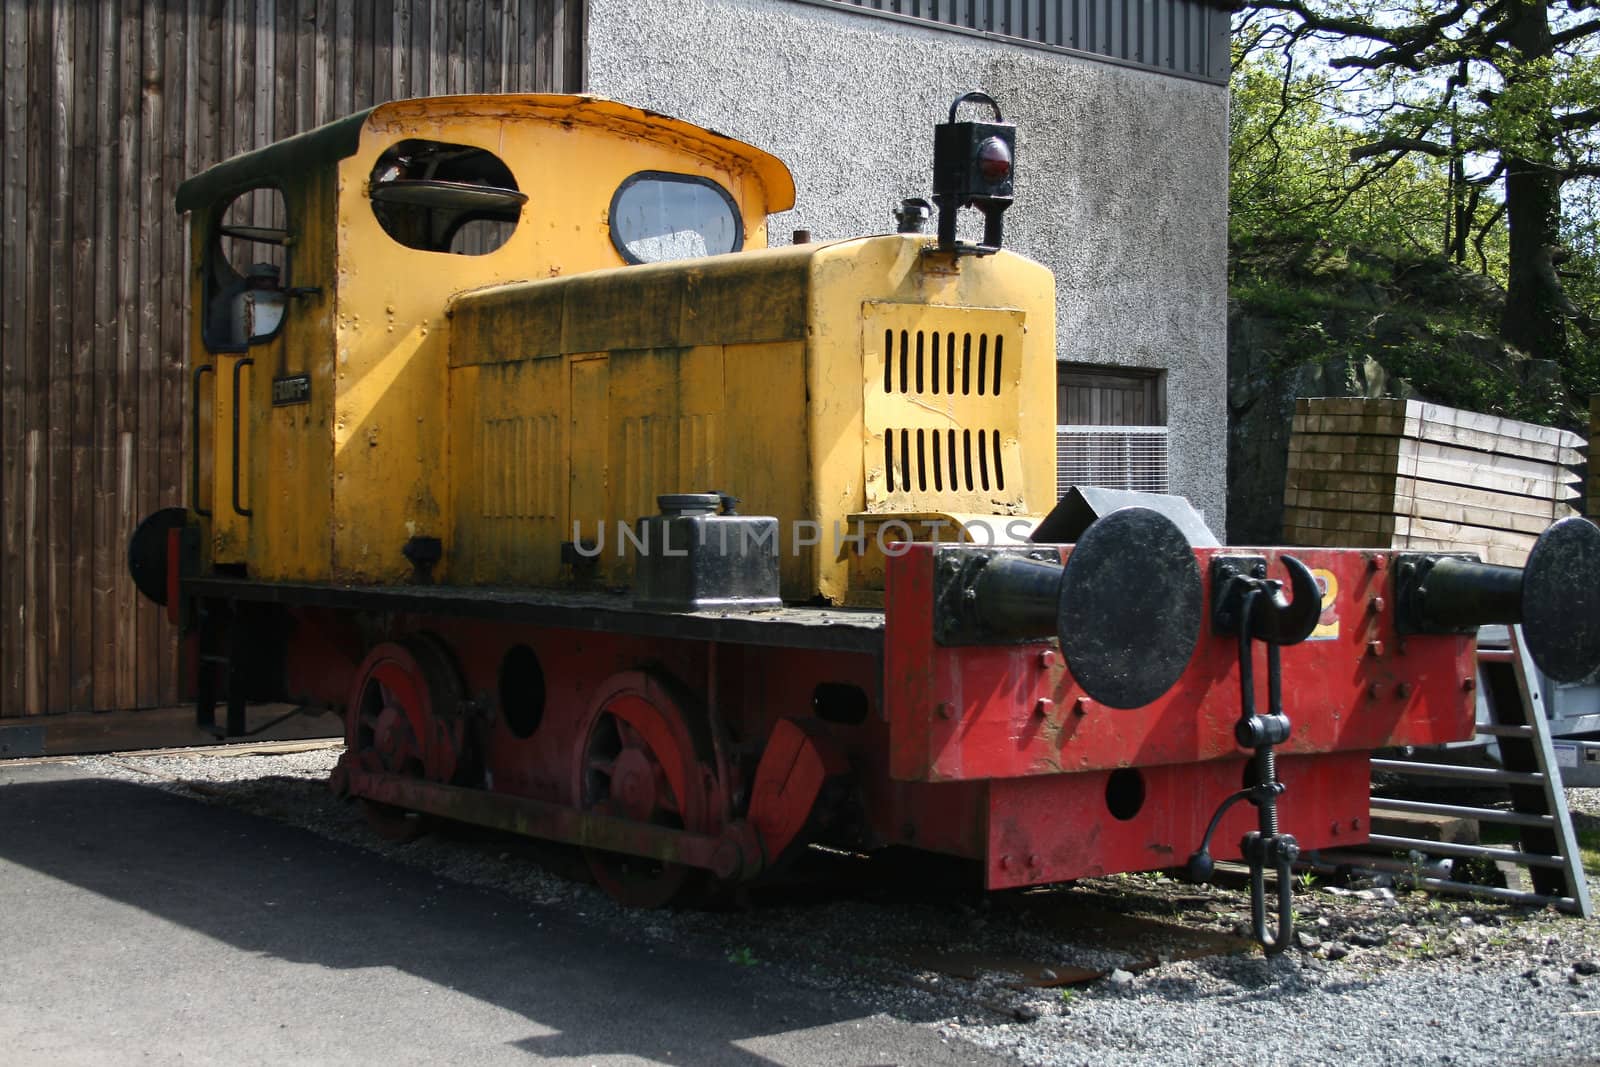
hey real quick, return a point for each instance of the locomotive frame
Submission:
(400, 438)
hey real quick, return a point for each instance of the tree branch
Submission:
(1573, 33)
(1483, 232)
(1399, 145)
(1578, 120)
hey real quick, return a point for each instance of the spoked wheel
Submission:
(641, 760)
(395, 727)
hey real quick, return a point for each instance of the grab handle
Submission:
(194, 443)
(237, 368)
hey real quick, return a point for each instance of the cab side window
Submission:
(441, 197)
(246, 270)
(656, 215)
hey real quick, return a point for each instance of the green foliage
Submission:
(743, 956)
(1581, 274)
(1394, 126)
(1362, 125)
(1291, 175)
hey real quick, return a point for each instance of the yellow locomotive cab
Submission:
(321, 443)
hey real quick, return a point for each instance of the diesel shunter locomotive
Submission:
(599, 520)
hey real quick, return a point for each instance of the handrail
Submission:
(237, 368)
(194, 443)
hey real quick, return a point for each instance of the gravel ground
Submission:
(1379, 976)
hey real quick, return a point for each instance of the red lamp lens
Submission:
(994, 160)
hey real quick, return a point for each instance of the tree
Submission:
(1504, 91)
(1291, 175)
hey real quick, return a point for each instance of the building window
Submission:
(1111, 428)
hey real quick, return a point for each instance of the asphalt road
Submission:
(138, 926)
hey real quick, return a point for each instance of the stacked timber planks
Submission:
(1407, 474)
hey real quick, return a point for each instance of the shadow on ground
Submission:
(275, 892)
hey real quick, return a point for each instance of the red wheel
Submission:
(401, 719)
(641, 759)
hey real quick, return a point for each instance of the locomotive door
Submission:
(230, 448)
(246, 314)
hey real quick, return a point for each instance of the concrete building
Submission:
(1121, 108)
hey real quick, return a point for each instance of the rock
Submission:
(1542, 379)
(1307, 942)
(1481, 348)
(1337, 951)
(1367, 938)
(1025, 1013)
(1120, 978)
(1439, 281)
(1395, 330)
(1482, 290)
(1586, 967)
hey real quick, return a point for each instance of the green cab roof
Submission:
(320, 147)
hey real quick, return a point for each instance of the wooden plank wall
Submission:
(108, 105)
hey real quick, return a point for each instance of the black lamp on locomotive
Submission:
(973, 163)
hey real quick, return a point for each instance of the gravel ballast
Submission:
(1379, 976)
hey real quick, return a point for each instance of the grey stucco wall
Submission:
(1122, 173)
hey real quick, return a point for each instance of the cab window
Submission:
(442, 197)
(656, 216)
(246, 268)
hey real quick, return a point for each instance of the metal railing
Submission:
(1112, 457)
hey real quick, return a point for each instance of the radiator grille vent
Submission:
(924, 460)
(515, 455)
(1112, 457)
(943, 363)
(941, 404)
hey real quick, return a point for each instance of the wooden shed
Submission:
(107, 107)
